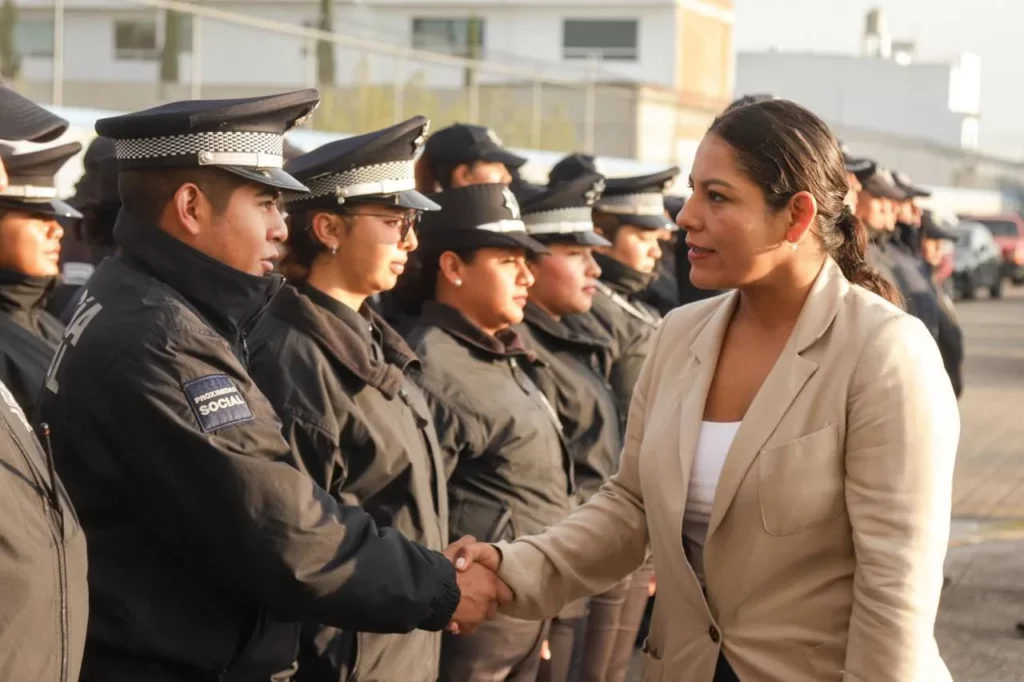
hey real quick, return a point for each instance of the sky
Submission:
(942, 29)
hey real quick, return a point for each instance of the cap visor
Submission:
(854, 165)
(23, 119)
(416, 200)
(506, 157)
(647, 222)
(270, 177)
(51, 207)
(588, 238)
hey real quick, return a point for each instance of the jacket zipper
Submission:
(62, 564)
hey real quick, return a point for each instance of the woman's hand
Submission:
(481, 553)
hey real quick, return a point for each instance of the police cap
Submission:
(881, 184)
(241, 136)
(563, 213)
(934, 227)
(476, 217)
(31, 176)
(673, 205)
(377, 167)
(855, 164)
(23, 119)
(912, 191)
(463, 143)
(571, 167)
(639, 200)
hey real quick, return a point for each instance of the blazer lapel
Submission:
(784, 383)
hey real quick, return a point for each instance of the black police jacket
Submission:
(629, 323)
(44, 603)
(364, 433)
(574, 377)
(510, 473)
(206, 540)
(28, 335)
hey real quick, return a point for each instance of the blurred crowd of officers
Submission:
(269, 474)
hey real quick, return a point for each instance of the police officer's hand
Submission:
(482, 593)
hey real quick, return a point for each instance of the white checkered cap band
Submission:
(503, 226)
(649, 203)
(29, 192)
(560, 221)
(251, 150)
(382, 178)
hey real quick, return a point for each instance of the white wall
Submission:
(911, 101)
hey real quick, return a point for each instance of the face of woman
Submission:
(30, 244)
(372, 253)
(494, 289)
(637, 248)
(565, 280)
(734, 237)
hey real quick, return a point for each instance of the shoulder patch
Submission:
(216, 402)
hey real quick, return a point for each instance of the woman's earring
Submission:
(334, 250)
(794, 245)
(457, 282)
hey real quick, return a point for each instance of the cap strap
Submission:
(503, 226)
(247, 149)
(647, 203)
(29, 192)
(383, 178)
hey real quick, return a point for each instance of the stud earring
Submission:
(334, 250)
(794, 246)
(457, 282)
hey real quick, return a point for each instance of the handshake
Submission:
(476, 566)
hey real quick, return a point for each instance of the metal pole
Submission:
(590, 109)
(196, 79)
(58, 53)
(535, 114)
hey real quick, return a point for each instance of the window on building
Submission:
(608, 40)
(449, 36)
(34, 37)
(135, 39)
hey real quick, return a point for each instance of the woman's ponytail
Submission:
(850, 251)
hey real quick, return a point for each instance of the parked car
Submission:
(977, 261)
(1008, 231)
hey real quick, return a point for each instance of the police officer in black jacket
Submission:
(29, 250)
(577, 366)
(44, 601)
(207, 541)
(511, 473)
(336, 373)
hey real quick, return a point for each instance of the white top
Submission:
(713, 445)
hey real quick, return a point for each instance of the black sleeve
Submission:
(234, 493)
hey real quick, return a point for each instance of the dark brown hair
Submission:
(418, 284)
(145, 193)
(431, 174)
(786, 149)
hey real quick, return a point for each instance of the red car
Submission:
(1008, 231)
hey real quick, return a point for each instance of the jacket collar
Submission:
(229, 299)
(20, 293)
(622, 278)
(570, 331)
(504, 344)
(346, 336)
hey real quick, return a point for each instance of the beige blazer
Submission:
(831, 520)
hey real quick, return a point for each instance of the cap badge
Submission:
(421, 138)
(510, 203)
(493, 137)
(595, 192)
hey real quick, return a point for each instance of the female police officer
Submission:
(29, 253)
(335, 372)
(511, 471)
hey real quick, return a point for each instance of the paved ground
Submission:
(985, 599)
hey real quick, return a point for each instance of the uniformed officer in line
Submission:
(29, 266)
(208, 543)
(44, 602)
(631, 215)
(934, 232)
(337, 374)
(908, 219)
(464, 154)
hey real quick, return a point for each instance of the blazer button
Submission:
(716, 636)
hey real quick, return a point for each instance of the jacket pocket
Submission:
(652, 667)
(800, 483)
(485, 521)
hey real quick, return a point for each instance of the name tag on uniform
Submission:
(216, 402)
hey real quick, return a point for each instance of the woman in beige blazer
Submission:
(790, 447)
